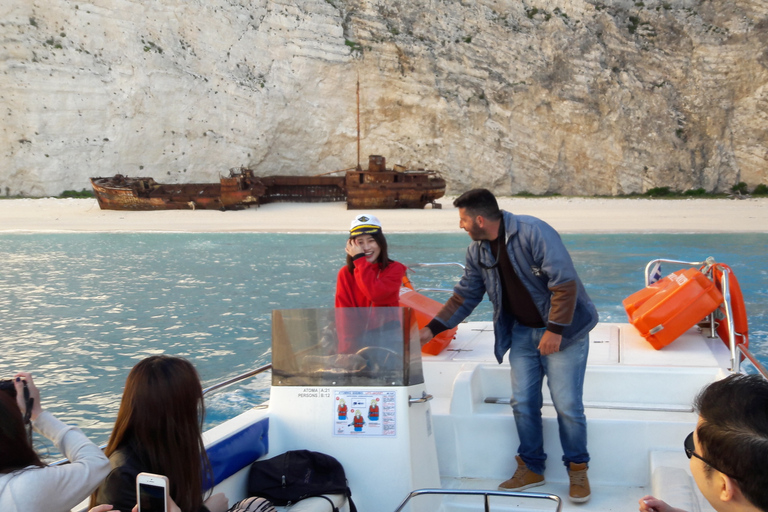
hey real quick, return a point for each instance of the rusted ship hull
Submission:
(374, 188)
(239, 190)
(392, 189)
(303, 189)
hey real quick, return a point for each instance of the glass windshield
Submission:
(345, 347)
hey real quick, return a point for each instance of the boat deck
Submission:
(636, 425)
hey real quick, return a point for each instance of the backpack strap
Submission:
(333, 507)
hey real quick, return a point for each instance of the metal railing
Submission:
(485, 494)
(415, 266)
(236, 379)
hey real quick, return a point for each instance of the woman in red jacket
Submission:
(369, 279)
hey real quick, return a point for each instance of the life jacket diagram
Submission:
(373, 411)
(342, 409)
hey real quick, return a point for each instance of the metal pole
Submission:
(358, 123)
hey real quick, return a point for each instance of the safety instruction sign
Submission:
(364, 413)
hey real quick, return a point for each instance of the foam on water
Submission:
(79, 310)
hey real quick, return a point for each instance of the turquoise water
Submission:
(79, 310)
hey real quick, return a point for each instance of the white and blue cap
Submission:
(364, 224)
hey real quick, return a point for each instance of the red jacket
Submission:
(369, 285)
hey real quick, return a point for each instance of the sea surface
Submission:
(79, 310)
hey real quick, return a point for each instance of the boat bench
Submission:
(619, 401)
(672, 482)
(605, 387)
(231, 461)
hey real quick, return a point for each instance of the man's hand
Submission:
(550, 343)
(651, 504)
(425, 335)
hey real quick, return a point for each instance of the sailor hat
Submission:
(364, 224)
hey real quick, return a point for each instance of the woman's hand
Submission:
(23, 378)
(217, 502)
(352, 248)
(103, 508)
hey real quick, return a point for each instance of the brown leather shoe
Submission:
(579, 491)
(522, 479)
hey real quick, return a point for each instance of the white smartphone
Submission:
(152, 492)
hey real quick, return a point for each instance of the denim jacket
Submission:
(540, 260)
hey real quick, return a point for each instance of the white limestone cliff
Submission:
(545, 96)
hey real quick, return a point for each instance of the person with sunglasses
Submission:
(26, 482)
(728, 449)
(542, 315)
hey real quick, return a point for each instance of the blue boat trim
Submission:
(237, 451)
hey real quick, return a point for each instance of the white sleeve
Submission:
(68, 484)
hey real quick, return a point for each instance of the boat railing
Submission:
(415, 266)
(707, 267)
(485, 494)
(752, 359)
(238, 378)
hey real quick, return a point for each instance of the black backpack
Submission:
(296, 475)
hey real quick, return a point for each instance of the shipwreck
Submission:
(371, 188)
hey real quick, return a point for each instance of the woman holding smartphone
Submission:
(159, 430)
(27, 483)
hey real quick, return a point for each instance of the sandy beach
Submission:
(567, 215)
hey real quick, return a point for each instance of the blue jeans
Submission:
(565, 377)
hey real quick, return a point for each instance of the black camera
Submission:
(6, 386)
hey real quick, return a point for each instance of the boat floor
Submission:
(604, 498)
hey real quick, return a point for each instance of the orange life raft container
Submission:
(666, 309)
(644, 307)
(425, 310)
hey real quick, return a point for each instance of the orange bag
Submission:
(672, 305)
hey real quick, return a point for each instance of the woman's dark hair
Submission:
(161, 421)
(733, 432)
(16, 451)
(383, 259)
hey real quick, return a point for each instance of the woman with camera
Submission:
(159, 430)
(26, 482)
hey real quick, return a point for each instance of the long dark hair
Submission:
(16, 451)
(161, 421)
(383, 259)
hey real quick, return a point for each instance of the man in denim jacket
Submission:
(541, 314)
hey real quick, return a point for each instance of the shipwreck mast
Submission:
(358, 124)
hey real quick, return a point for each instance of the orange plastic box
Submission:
(671, 306)
(425, 310)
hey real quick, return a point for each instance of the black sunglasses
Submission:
(690, 452)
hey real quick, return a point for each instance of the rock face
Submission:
(544, 96)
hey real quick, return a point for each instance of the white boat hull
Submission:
(637, 401)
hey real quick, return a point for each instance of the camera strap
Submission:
(28, 403)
